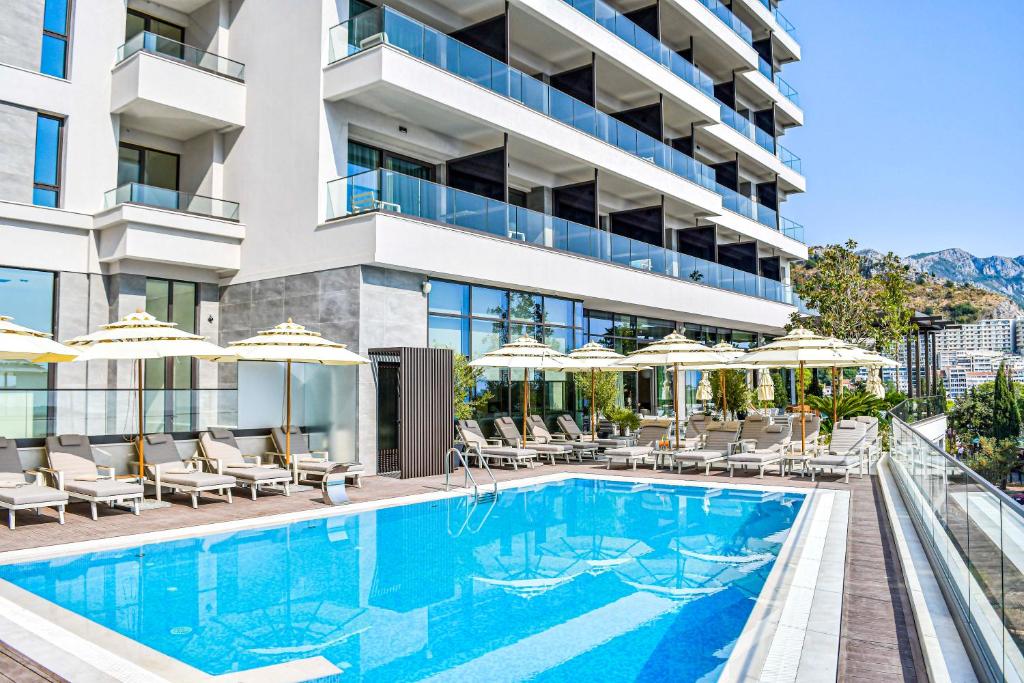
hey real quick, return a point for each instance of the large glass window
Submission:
(136, 22)
(56, 19)
(46, 176)
(363, 157)
(475, 319)
(27, 297)
(170, 410)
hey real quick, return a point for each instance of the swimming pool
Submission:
(581, 578)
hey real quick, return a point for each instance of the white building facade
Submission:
(425, 174)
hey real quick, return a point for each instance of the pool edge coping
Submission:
(55, 624)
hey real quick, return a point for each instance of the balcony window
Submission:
(46, 176)
(148, 167)
(169, 381)
(28, 297)
(137, 22)
(56, 19)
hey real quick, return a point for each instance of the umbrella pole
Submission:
(725, 400)
(593, 407)
(803, 414)
(835, 397)
(142, 445)
(288, 414)
(675, 398)
(526, 404)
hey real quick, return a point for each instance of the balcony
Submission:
(162, 86)
(729, 19)
(389, 27)
(171, 200)
(154, 224)
(388, 191)
(623, 27)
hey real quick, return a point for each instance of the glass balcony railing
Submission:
(744, 126)
(792, 229)
(788, 91)
(385, 25)
(172, 200)
(791, 160)
(973, 535)
(767, 216)
(779, 17)
(729, 19)
(735, 202)
(158, 45)
(384, 190)
(765, 68)
(625, 28)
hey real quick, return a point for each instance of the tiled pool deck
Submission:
(877, 636)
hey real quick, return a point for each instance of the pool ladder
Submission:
(452, 459)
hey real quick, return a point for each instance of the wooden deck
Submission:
(878, 639)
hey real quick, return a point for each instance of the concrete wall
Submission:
(18, 132)
(21, 40)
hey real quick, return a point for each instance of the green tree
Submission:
(737, 392)
(781, 389)
(605, 389)
(995, 459)
(972, 413)
(839, 292)
(1005, 409)
(814, 387)
(464, 380)
(892, 302)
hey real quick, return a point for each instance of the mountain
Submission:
(953, 283)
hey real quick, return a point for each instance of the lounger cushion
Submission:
(775, 429)
(103, 488)
(630, 452)
(71, 465)
(755, 457)
(225, 453)
(26, 495)
(258, 473)
(835, 460)
(550, 448)
(700, 456)
(197, 479)
(509, 452)
(585, 446)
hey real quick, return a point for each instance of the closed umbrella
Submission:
(22, 343)
(290, 343)
(875, 387)
(525, 353)
(140, 337)
(594, 358)
(765, 386)
(677, 352)
(704, 392)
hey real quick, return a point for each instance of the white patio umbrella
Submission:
(594, 358)
(140, 337)
(677, 352)
(22, 343)
(525, 353)
(290, 343)
(803, 349)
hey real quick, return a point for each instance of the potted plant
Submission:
(625, 419)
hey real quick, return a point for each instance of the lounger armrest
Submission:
(58, 476)
(110, 471)
(496, 441)
(37, 476)
(255, 458)
(559, 438)
(323, 455)
(213, 463)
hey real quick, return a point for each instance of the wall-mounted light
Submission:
(403, 130)
(425, 286)
(210, 318)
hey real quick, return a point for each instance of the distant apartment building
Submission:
(1000, 334)
(965, 370)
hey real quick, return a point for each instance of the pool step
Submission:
(487, 497)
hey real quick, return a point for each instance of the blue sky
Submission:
(914, 132)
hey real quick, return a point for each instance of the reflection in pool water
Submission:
(569, 580)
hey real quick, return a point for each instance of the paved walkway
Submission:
(878, 640)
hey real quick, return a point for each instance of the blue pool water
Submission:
(574, 580)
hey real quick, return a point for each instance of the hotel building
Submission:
(420, 174)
